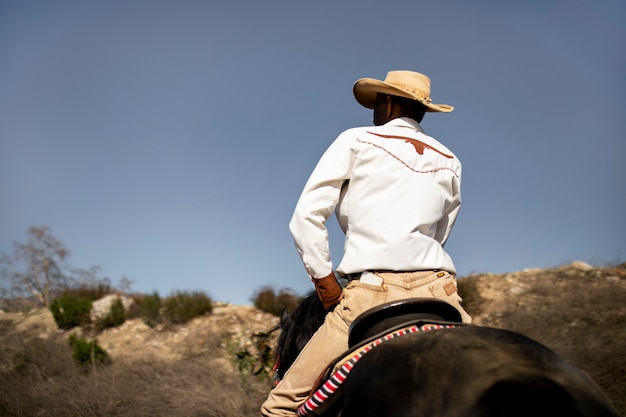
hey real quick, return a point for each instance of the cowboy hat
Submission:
(408, 84)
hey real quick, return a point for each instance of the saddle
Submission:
(371, 328)
(385, 317)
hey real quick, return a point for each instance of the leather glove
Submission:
(328, 290)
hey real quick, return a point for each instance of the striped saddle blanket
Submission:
(327, 392)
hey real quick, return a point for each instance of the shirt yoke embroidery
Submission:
(418, 145)
(404, 163)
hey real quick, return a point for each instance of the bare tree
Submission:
(38, 267)
(126, 284)
(91, 278)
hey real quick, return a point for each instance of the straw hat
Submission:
(408, 84)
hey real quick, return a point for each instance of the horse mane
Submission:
(296, 330)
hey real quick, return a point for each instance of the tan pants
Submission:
(331, 339)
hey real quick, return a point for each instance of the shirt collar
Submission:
(405, 122)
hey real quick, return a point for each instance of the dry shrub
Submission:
(27, 366)
(148, 307)
(33, 358)
(274, 302)
(468, 290)
(181, 306)
(91, 291)
(39, 379)
(157, 389)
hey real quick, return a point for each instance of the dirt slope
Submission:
(577, 310)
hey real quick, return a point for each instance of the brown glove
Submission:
(328, 290)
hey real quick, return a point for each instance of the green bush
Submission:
(115, 317)
(150, 308)
(266, 299)
(259, 362)
(87, 352)
(181, 307)
(70, 311)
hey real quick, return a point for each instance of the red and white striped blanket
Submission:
(331, 387)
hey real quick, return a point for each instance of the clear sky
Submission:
(168, 141)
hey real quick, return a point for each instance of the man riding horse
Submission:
(396, 192)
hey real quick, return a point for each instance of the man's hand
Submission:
(328, 290)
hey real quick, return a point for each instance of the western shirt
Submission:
(396, 194)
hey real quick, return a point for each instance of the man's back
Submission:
(399, 201)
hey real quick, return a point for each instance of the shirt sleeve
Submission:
(444, 226)
(317, 202)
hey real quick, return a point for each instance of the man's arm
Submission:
(315, 205)
(444, 226)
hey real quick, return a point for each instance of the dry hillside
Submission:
(204, 368)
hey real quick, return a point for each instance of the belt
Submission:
(357, 275)
(352, 277)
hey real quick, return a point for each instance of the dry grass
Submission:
(580, 314)
(39, 378)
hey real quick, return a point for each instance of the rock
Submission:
(102, 307)
(517, 290)
(583, 266)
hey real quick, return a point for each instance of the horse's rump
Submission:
(469, 371)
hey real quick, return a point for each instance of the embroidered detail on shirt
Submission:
(419, 146)
(404, 163)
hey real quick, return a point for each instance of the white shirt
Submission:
(396, 192)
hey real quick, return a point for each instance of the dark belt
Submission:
(357, 275)
(352, 277)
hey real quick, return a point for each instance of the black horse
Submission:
(458, 371)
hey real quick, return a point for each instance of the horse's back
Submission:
(469, 371)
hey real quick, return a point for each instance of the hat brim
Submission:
(366, 89)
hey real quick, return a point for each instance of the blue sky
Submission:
(168, 141)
